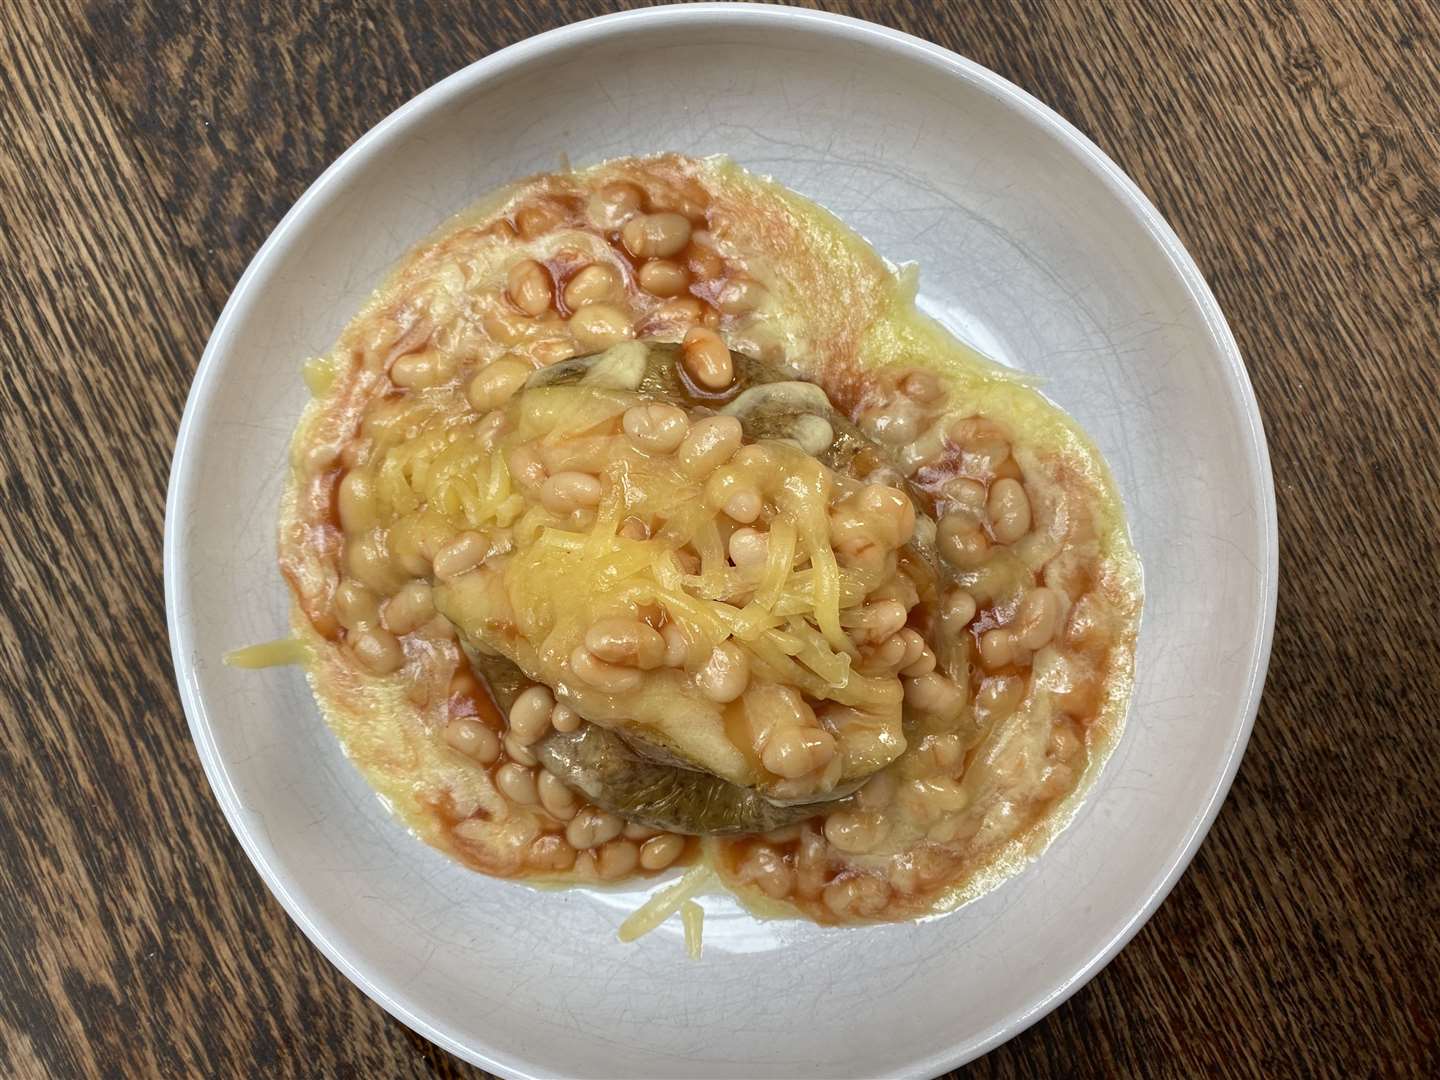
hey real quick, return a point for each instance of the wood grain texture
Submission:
(148, 148)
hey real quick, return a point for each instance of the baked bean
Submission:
(740, 296)
(1057, 781)
(567, 491)
(556, 797)
(1000, 695)
(901, 587)
(491, 426)
(1064, 743)
(677, 645)
(530, 714)
(813, 433)
(464, 683)
(893, 506)
(550, 853)
(518, 751)
(921, 665)
(889, 655)
(754, 457)
(621, 640)
(564, 719)
(793, 752)
(632, 528)
(660, 851)
(957, 609)
(461, 555)
(635, 831)
(895, 424)
(856, 832)
(962, 493)
(356, 500)
(1037, 618)
(749, 548)
(878, 792)
(914, 647)
(933, 693)
(609, 207)
(944, 750)
(982, 443)
(528, 286)
(929, 800)
(594, 284)
(961, 542)
(517, 783)
(1009, 510)
(779, 706)
(875, 622)
(320, 458)
(496, 383)
(885, 475)
(498, 230)
(860, 552)
(415, 371)
(768, 870)
(409, 609)
(506, 326)
(552, 350)
(538, 218)
(591, 827)
(862, 895)
(682, 311)
(661, 277)
(368, 562)
(617, 858)
(655, 427)
(906, 875)
(997, 647)
(922, 386)
(744, 506)
(925, 450)
(655, 235)
(612, 678)
(416, 539)
(472, 739)
(526, 468)
(707, 359)
(726, 673)
(378, 649)
(599, 326)
(956, 827)
(355, 605)
(786, 834)
(709, 444)
(702, 258)
(357, 452)
(812, 862)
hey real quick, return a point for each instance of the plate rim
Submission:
(845, 28)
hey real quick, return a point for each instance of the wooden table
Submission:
(147, 152)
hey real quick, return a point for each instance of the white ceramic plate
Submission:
(1033, 246)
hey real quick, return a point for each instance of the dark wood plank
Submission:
(148, 149)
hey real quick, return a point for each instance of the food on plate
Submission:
(639, 521)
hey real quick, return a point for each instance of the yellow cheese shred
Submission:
(278, 653)
(665, 903)
(692, 915)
